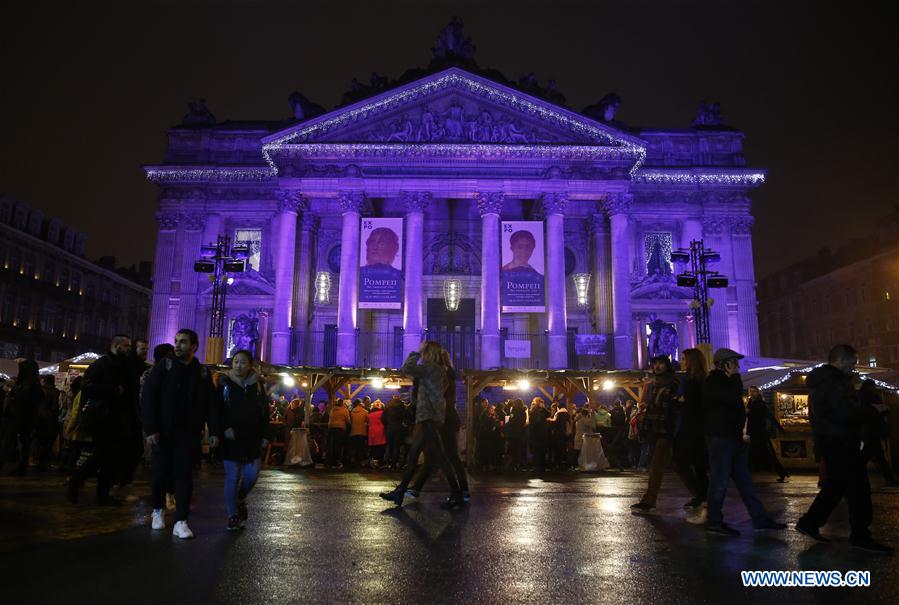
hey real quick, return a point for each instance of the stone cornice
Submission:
(207, 174)
(732, 177)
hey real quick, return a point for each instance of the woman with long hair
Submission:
(690, 453)
(430, 412)
(449, 434)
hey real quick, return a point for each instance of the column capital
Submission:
(350, 201)
(490, 202)
(554, 203)
(715, 225)
(193, 222)
(168, 221)
(291, 200)
(617, 203)
(416, 201)
(741, 225)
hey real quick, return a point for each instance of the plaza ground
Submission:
(325, 537)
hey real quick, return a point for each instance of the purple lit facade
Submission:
(454, 154)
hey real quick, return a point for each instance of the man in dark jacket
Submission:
(761, 451)
(659, 425)
(107, 381)
(722, 399)
(838, 416)
(177, 401)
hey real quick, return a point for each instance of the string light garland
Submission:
(699, 177)
(165, 174)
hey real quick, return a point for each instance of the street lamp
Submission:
(218, 260)
(699, 277)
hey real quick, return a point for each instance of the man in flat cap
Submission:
(722, 399)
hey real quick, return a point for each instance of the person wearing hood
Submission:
(242, 420)
(24, 401)
(838, 417)
(359, 433)
(722, 401)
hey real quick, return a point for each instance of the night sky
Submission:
(88, 89)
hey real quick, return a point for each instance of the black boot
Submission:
(395, 496)
(454, 502)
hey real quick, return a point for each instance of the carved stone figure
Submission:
(605, 109)
(453, 43)
(708, 114)
(244, 333)
(303, 108)
(198, 114)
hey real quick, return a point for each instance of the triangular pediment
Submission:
(454, 107)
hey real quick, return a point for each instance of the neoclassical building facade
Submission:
(455, 156)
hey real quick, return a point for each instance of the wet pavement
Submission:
(325, 537)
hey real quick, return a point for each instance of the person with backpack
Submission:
(242, 420)
(177, 401)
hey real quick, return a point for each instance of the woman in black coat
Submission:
(242, 421)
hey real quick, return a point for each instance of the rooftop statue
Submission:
(303, 108)
(708, 114)
(452, 42)
(198, 114)
(605, 109)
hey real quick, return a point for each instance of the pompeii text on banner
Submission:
(523, 289)
(380, 261)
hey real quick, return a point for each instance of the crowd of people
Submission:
(124, 410)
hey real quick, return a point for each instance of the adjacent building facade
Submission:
(54, 302)
(461, 162)
(847, 296)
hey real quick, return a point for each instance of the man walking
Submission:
(177, 401)
(722, 398)
(658, 424)
(108, 385)
(837, 416)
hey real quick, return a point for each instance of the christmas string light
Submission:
(699, 177)
(164, 174)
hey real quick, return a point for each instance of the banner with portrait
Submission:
(522, 284)
(381, 264)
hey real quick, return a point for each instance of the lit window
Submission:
(252, 238)
(872, 362)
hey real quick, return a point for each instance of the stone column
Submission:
(160, 331)
(744, 280)
(416, 204)
(304, 291)
(350, 204)
(289, 205)
(490, 206)
(602, 274)
(714, 228)
(193, 234)
(618, 208)
(556, 317)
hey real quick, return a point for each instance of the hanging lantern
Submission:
(581, 284)
(322, 288)
(452, 293)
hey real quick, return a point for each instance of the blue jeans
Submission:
(235, 487)
(728, 460)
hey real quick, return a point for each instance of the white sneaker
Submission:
(158, 519)
(170, 501)
(182, 531)
(700, 516)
